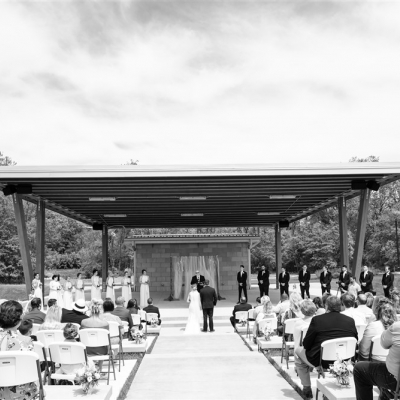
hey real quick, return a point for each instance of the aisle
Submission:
(211, 365)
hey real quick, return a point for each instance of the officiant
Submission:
(198, 280)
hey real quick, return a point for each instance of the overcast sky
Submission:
(197, 82)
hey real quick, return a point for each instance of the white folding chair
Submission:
(303, 334)
(115, 332)
(250, 318)
(66, 353)
(240, 315)
(50, 336)
(149, 317)
(97, 337)
(142, 315)
(376, 348)
(126, 326)
(19, 368)
(360, 331)
(288, 329)
(35, 328)
(135, 319)
(40, 350)
(344, 348)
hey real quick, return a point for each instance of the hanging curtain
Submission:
(177, 270)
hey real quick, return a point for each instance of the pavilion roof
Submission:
(138, 196)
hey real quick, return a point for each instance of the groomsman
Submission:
(366, 278)
(304, 279)
(284, 279)
(344, 279)
(325, 280)
(263, 281)
(387, 281)
(242, 283)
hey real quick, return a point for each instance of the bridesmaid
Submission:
(60, 297)
(144, 281)
(37, 287)
(68, 294)
(79, 288)
(110, 287)
(53, 294)
(96, 288)
(126, 287)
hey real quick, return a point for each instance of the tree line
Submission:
(313, 241)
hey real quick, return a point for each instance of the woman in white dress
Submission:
(144, 281)
(53, 294)
(96, 288)
(60, 295)
(110, 287)
(194, 320)
(126, 287)
(79, 288)
(68, 294)
(37, 287)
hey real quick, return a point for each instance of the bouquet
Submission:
(268, 332)
(154, 322)
(243, 322)
(88, 377)
(341, 370)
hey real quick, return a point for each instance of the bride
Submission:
(194, 320)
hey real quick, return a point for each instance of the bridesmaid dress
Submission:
(60, 297)
(144, 290)
(53, 290)
(110, 288)
(68, 296)
(96, 289)
(37, 286)
(79, 290)
(126, 289)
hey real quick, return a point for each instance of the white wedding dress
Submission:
(195, 315)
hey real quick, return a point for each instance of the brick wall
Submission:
(155, 258)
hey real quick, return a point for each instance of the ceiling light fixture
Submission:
(114, 215)
(282, 196)
(268, 213)
(193, 198)
(192, 215)
(102, 198)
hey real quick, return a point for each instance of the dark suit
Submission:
(198, 282)
(239, 307)
(304, 278)
(36, 316)
(264, 287)
(332, 325)
(209, 299)
(72, 316)
(367, 280)
(325, 278)
(345, 280)
(153, 309)
(242, 279)
(387, 280)
(284, 279)
(123, 314)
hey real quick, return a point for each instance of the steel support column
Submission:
(104, 265)
(344, 237)
(40, 239)
(249, 264)
(23, 241)
(278, 253)
(361, 228)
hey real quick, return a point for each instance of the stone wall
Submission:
(155, 258)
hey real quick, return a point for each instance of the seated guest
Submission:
(257, 308)
(308, 309)
(370, 299)
(266, 313)
(132, 306)
(325, 297)
(243, 306)
(395, 297)
(108, 308)
(354, 288)
(386, 316)
(51, 302)
(318, 305)
(293, 311)
(348, 301)
(331, 325)
(35, 315)
(77, 314)
(382, 374)
(362, 308)
(25, 331)
(10, 319)
(53, 319)
(282, 306)
(121, 312)
(152, 309)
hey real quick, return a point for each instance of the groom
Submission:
(208, 301)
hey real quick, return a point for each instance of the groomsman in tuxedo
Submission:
(325, 280)
(263, 281)
(366, 278)
(387, 281)
(242, 282)
(198, 280)
(304, 279)
(284, 279)
(344, 279)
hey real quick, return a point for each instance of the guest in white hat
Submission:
(77, 314)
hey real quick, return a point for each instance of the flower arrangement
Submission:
(138, 337)
(154, 322)
(88, 377)
(341, 370)
(268, 332)
(243, 322)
